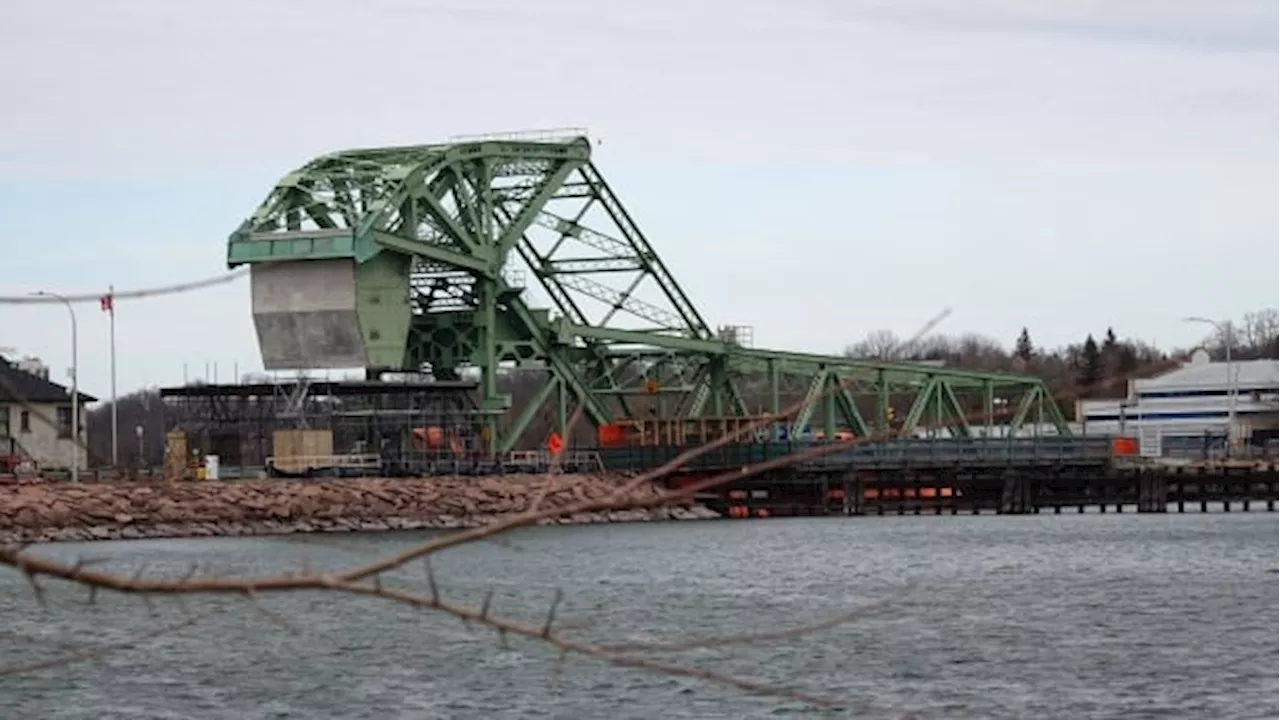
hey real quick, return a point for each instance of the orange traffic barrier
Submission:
(891, 493)
(1124, 446)
(611, 435)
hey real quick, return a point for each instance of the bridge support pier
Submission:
(853, 494)
(1018, 495)
(1153, 493)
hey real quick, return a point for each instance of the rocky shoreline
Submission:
(50, 512)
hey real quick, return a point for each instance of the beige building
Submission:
(35, 418)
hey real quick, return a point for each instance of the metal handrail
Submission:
(357, 460)
(568, 134)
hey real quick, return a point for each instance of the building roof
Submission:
(17, 384)
(1248, 374)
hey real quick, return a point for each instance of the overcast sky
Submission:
(817, 169)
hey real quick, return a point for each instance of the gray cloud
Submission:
(1223, 25)
(152, 86)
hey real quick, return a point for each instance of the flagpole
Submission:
(115, 417)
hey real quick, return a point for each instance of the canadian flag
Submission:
(106, 304)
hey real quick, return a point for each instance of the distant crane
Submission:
(924, 330)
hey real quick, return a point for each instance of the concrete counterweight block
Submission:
(305, 315)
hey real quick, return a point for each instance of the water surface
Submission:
(1073, 616)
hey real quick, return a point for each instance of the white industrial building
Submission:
(1187, 412)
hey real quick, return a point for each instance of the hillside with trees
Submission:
(1094, 366)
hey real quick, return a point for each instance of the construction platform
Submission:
(296, 426)
(309, 428)
(301, 427)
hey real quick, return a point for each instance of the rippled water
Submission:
(1093, 616)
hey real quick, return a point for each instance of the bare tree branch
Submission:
(547, 634)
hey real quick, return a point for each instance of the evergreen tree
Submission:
(1126, 360)
(1110, 354)
(1090, 363)
(1023, 347)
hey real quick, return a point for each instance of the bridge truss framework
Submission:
(429, 257)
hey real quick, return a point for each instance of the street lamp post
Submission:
(75, 387)
(1224, 329)
(115, 401)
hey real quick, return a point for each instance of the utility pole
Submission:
(108, 303)
(1228, 339)
(75, 386)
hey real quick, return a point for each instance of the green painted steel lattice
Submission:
(458, 229)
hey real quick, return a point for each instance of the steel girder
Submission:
(620, 339)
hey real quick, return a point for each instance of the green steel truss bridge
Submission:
(506, 251)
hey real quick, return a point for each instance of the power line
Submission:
(126, 294)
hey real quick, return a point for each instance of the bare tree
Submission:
(877, 345)
(1258, 335)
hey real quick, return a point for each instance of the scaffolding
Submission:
(370, 426)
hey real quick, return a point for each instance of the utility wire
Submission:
(7, 388)
(125, 294)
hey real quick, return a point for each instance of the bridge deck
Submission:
(957, 453)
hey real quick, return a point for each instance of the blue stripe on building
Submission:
(1156, 415)
(1158, 394)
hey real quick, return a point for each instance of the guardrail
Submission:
(960, 451)
(361, 463)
